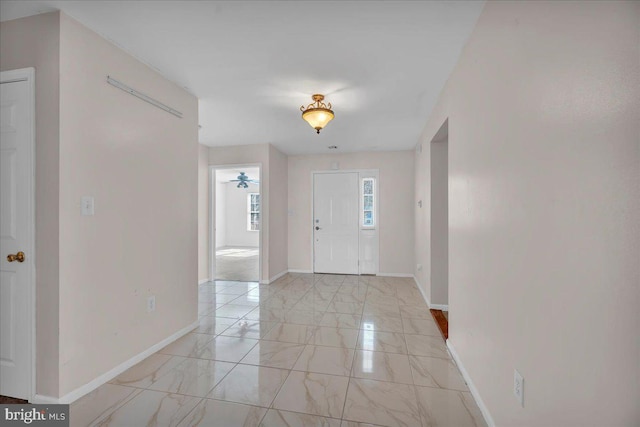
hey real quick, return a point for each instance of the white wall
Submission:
(141, 165)
(544, 195)
(221, 214)
(203, 212)
(235, 207)
(278, 220)
(395, 185)
(439, 222)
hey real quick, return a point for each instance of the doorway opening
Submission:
(237, 223)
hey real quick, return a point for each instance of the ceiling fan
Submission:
(243, 181)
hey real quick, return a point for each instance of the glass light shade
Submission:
(317, 117)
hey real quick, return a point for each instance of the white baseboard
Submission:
(379, 274)
(274, 278)
(108, 376)
(474, 391)
(40, 399)
(395, 274)
(443, 307)
(424, 296)
(200, 282)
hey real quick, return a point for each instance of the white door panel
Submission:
(16, 235)
(335, 222)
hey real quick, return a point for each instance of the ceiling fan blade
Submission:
(338, 90)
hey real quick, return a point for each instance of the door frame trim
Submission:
(212, 216)
(360, 172)
(13, 76)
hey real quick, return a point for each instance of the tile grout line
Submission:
(353, 359)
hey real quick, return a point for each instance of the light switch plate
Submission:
(88, 206)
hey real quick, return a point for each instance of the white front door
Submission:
(16, 232)
(335, 223)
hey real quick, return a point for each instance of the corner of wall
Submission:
(203, 213)
(34, 41)
(278, 212)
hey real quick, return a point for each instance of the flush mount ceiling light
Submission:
(317, 114)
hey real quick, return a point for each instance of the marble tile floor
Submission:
(307, 350)
(237, 263)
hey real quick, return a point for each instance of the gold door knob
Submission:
(16, 257)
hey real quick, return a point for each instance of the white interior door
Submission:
(16, 232)
(335, 223)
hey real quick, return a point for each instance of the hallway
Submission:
(307, 350)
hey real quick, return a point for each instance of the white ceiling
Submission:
(226, 175)
(382, 64)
